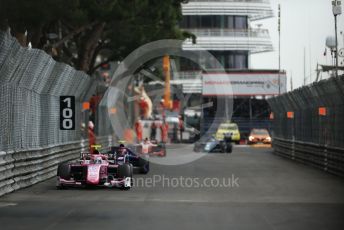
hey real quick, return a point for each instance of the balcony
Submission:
(259, 33)
(254, 9)
(253, 40)
(243, 1)
(191, 81)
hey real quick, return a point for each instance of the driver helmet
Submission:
(122, 149)
(96, 152)
(98, 160)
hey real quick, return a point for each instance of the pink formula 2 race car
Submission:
(96, 170)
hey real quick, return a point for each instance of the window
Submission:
(230, 22)
(193, 22)
(240, 22)
(214, 21)
(206, 21)
(230, 63)
(241, 61)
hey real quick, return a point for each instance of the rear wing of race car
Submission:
(155, 148)
(89, 156)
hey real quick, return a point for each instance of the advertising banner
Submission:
(243, 84)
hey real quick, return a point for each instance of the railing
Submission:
(188, 75)
(254, 9)
(329, 159)
(249, 33)
(245, 1)
(24, 168)
(254, 40)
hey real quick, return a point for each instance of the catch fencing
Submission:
(31, 83)
(31, 142)
(308, 125)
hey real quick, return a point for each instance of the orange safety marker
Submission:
(322, 111)
(112, 110)
(86, 106)
(290, 115)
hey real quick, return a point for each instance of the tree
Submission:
(78, 31)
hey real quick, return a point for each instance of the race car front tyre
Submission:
(229, 149)
(144, 165)
(125, 171)
(63, 171)
(59, 186)
(145, 168)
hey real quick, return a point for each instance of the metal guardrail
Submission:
(24, 168)
(20, 169)
(326, 158)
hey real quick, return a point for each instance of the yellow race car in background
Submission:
(228, 127)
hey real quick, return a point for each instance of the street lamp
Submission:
(337, 10)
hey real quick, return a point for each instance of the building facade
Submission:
(230, 31)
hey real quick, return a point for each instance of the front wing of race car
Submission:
(120, 183)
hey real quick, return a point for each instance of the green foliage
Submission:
(85, 29)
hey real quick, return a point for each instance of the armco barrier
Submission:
(24, 168)
(327, 158)
(6, 173)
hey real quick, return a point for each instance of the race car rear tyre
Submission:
(125, 170)
(63, 171)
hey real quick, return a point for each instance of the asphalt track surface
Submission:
(267, 192)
